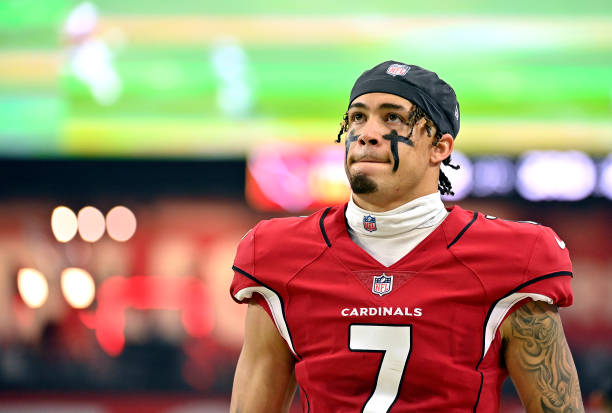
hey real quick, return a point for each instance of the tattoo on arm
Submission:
(543, 352)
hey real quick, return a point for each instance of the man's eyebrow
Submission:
(381, 106)
(358, 105)
(392, 106)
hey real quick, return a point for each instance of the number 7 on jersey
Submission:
(394, 341)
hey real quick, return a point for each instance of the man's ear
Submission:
(443, 149)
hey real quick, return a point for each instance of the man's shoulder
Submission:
(506, 253)
(505, 230)
(275, 249)
(292, 229)
(278, 241)
(472, 229)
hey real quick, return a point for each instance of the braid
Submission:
(343, 127)
(444, 184)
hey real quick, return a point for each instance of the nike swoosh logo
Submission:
(561, 243)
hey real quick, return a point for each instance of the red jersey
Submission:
(417, 336)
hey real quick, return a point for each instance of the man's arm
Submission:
(539, 360)
(264, 380)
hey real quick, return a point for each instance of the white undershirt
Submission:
(397, 231)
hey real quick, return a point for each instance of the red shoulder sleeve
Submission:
(244, 264)
(544, 276)
(549, 269)
(245, 253)
(243, 284)
(254, 280)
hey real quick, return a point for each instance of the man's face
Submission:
(383, 161)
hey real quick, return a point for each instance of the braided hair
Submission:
(444, 184)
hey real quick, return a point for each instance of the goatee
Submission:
(362, 184)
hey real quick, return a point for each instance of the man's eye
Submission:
(356, 117)
(394, 117)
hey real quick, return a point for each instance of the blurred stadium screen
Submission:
(298, 177)
(109, 79)
(140, 140)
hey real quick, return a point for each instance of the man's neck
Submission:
(388, 236)
(375, 203)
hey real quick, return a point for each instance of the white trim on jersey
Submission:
(501, 309)
(276, 309)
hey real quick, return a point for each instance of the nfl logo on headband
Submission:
(369, 223)
(398, 70)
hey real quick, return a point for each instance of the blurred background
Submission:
(139, 140)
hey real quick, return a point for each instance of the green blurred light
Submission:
(549, 67)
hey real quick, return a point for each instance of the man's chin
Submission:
(362, 184)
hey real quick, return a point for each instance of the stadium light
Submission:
(91, 224)
(82, 20)
(493, 176)
(33, 287)
(120, 223)
(282, 174)
(605, 177)
(78, 287)
(63, 224)
(558, 176)
(327, 181)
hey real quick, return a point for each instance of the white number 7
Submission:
(394, 341)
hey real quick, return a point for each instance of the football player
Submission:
(392, 302)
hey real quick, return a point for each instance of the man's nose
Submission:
(371, 134)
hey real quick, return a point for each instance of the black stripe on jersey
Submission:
(246, 274)
(484, 327)
(463, 230)
(322, 226)
(307, 401)
(479, 390)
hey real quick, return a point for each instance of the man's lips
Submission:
(368, 159)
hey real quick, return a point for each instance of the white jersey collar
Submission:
(424, 212)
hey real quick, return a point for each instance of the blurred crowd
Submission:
(172, 325)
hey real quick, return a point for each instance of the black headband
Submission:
(420, 86)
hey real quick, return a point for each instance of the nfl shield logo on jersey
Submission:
(369, 223)
(382, 285)
(398, 70)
